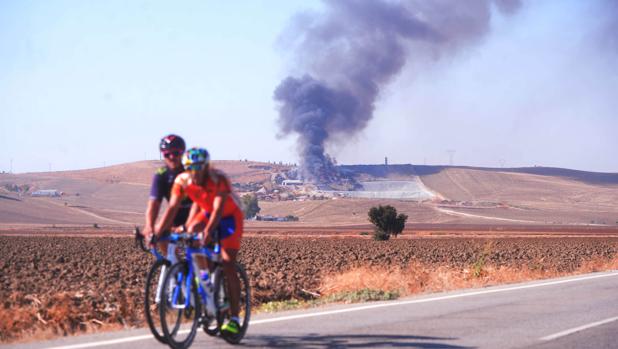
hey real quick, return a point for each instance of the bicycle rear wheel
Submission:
(222, 303)
(175, 310)
(152, 298)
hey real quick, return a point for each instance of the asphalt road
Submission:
(575, 312)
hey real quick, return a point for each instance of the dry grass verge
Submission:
(418, 277)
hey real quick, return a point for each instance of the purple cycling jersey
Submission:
(161, 189)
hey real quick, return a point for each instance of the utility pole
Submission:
(451, 154)
(501, 163)
(11, 168)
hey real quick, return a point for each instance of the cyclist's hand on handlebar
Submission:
(206, 239)
(148, 230)
(151, 240)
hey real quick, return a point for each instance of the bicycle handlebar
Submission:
(139, 239)
(172, 237)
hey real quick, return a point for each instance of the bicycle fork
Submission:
(160, 284)
(180, 291)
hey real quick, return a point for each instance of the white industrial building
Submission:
(292, 182)
(47, 193)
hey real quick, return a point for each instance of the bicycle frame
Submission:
(212, 255)
(185, 294)
(171, 257)
(172, 238)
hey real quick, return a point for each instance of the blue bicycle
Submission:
(154, 282)
(187, 299)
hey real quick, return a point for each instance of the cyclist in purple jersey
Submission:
(161, 188)
(172, 148)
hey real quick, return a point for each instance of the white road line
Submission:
(365, 307)
(577, 329)
(108, 342)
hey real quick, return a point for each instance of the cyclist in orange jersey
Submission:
(219, 211)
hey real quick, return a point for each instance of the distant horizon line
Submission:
(282, 163)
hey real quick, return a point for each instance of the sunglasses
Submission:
(170, 154)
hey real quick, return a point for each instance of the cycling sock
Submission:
(235, 318)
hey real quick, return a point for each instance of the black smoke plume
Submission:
(355, 48)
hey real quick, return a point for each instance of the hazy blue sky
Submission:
(83, 83)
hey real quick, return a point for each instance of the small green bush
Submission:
(386, 221)
(250, 207)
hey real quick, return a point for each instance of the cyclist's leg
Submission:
(195, 224)
(229, 252)
(229, 268)
(163, 243)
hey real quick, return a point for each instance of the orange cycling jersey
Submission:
(204, 195)
(231, 225)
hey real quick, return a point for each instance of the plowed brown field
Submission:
(58, 285)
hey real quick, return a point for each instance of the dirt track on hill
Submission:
(58, 285)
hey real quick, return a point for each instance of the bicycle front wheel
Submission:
(224, 306)
(180, 305)
(152, 298)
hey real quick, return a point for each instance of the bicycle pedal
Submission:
(204, 320)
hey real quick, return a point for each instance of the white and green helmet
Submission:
(195, 158)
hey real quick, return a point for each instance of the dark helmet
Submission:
(172, 143)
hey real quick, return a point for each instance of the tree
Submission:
(250, 206)
(387, 222)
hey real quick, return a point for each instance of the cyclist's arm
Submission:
(223, 191)
(217, 212)
(154, 203)
(152, 211)
(168, 217)
(193, 220)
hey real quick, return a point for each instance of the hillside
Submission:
(537, 194)
(108, 195)
(117, 195)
